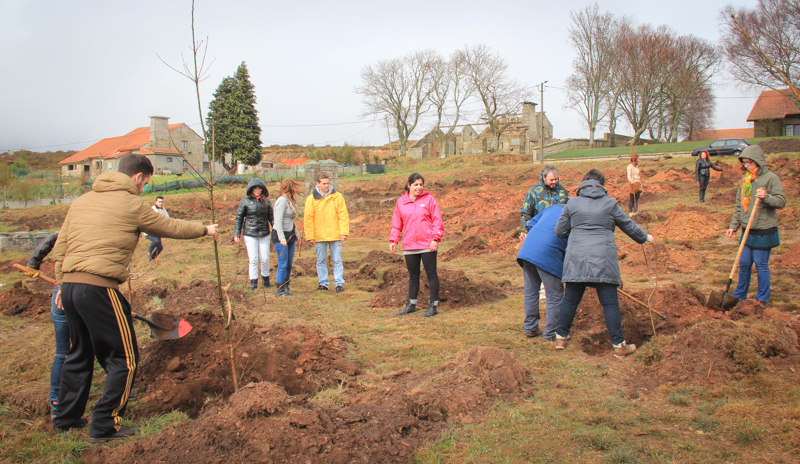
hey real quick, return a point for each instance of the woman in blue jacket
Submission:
(542, 261)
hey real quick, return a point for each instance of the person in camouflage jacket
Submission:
(547, 192)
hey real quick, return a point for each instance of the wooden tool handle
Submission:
(744, 239)
(41, 276)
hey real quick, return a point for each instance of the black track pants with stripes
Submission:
(100, 326)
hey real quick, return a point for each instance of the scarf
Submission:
(747, 189)
(292, 204)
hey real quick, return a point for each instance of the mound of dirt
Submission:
(21, 301)
(682, 308)
(385, 420)
(670, 176)
(780, 146)
(790, 258)
(688, 223)
(456, 290)
(638, 260)
(470, 246)
(182, 374)
(39, 222)
(717, 351)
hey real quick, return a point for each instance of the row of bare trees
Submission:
(423, 83)
(657, 80)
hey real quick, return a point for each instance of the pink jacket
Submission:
(419, 220)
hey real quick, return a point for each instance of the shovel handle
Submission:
(744, 239)
(41, 276)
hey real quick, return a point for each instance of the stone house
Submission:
(520, 133)
(170, 147)
(775, 114)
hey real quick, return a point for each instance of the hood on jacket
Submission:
(755, 153)
(257, 182)
(319, 196)
(591, 188)
(110, 181)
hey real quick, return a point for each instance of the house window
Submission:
(70, 167)
(184, 144)
(169, 159)
(792, 129)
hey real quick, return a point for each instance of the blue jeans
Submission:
(760, 258)
(606, 293)
(155, 246)
(285, 260)
(322, 266)
(62, 345)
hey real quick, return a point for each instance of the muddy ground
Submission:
(273, 417)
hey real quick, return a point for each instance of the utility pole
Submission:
(541, 112)
(391, 150)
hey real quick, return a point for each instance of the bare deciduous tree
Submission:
(500, 95)
(692, 62)
(774, 26)
(399, 88)
(641, 58)
(698, 114)
(451, 88)
(589, 85)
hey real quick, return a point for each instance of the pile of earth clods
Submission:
(383, 420)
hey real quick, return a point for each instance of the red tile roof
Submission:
(115, 147)
(773, 104)
(714, 134)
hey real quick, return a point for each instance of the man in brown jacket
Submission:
(92, 255)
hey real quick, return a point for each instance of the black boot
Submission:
(286, 291)
(280, 291)
(253, 284)
(410, 308)
(266, 281)
(431, 309)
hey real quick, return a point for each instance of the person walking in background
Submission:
(253, 220)
(547, 192)
(634, 185)
(327, 225)
(284, 233)
(702, 172)
(60, 324)
(764, 184)
(588, 222)
(417, 218)
(156, 247)
(542, 260)
(92, 255)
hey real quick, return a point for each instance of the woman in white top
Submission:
(634, 185)
(284, 233)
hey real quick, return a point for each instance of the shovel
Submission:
(162, 326)
(722, 301)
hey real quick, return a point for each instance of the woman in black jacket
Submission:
(254, 220)
(702, 173)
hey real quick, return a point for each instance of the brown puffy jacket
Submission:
(102, 228)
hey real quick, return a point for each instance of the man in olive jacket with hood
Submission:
(759, 182)
(92, 255)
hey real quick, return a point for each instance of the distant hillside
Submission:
(45, 161)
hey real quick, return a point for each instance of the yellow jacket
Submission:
(326, 217)
(102, 228)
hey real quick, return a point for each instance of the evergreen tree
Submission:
(235, 119)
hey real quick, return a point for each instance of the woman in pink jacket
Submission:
(417, 216)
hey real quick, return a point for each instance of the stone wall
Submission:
(21, 241)
(311, 170)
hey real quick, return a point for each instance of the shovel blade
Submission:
(167, 327)
(715, 301)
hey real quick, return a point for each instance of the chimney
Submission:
(159, 132)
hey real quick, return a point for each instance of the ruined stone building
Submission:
(520, 134)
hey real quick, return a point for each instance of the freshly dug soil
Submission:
(456, 290)
(384, 420)
(780, 146)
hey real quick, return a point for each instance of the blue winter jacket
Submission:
(541, 247)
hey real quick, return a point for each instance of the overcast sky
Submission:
(77, 72)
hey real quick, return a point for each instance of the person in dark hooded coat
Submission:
(588, 222)
(254, 220)
(761, 183)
